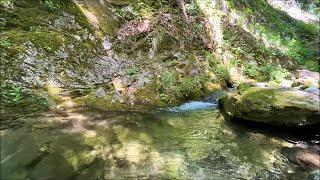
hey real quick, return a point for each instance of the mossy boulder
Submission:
(283, 107)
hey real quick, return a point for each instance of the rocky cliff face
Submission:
(146, 52)
(79, 46)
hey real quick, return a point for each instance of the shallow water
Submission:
(86, 144)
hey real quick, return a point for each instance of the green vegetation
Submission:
(268, 70)
(275, 73)
(5, 43)
(169, 39)
(133, 72)
(15, 94)
(188, 86)
(291, 37)
(90, 89)
(17, 97)
(50, 5)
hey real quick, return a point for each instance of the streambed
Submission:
(177, 143)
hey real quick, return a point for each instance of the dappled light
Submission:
(159, 89)
(135, 145)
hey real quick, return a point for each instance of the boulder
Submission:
(283, 107)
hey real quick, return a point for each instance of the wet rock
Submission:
(313, 90)
(303, 157)
(314, 175)
(284, 107)
(100, 92)
(216, 95)
(54, 166)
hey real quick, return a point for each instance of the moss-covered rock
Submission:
(273, 106)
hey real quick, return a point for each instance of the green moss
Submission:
(258, 99)
(264, 99)
(87, 45)
(34, 13)
(91, 101)
(148, 96)
(48, 40)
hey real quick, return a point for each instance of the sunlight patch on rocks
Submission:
(294, 10)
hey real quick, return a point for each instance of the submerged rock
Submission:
(314, 175)
(313, 90)
(284, 107)
(303, 157)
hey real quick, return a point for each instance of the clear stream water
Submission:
(193, 141)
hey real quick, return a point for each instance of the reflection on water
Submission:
(156, 145)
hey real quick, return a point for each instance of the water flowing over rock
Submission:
(193, 105)
(284, 107)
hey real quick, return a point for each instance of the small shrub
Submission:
(133, 72)
(188, 85)
(15, 94)
(209, 57)
(274, 73)
(5, 43)
(91, 87)
(50, 5)
(311, 65)
(221, 71)
(167, 80)
(192, 9)
(251, 69)
(163, 97)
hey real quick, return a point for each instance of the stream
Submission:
(192, 141)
